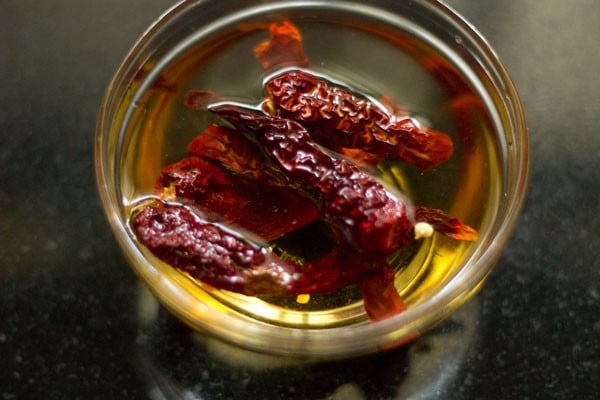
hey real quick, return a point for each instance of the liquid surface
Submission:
(373, 60)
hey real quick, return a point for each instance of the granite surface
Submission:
(76, 324)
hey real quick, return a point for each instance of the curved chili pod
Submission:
(210, 254)
(183, 240)
(338, 118)
(348, 198)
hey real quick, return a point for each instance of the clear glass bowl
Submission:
(420, 54)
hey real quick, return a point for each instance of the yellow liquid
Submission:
(408, 71)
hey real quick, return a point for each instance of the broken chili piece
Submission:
(284, 48)
(380, 296)
(444, 224)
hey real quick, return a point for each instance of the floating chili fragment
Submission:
(284, 48)
(380, 296)
(160, 82)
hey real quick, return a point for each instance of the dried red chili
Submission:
(347, 197)
(220, 258)
(338, 118)
(208, 253)
(263, 209)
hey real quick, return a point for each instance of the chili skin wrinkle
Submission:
(183, 240)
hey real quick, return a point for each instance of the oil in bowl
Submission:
(420, 59)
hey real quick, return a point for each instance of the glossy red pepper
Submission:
(346, 197)
(226, 175)
(223, 259)
(210, 254)
(338, 118)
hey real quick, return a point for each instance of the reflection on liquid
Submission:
(177, 363)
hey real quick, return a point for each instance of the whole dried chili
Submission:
(338, 118)
(347, 197)
(220, 258)
(183, 240)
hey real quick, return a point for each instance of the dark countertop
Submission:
(76, 324)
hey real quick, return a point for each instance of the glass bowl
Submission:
(421, 55)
